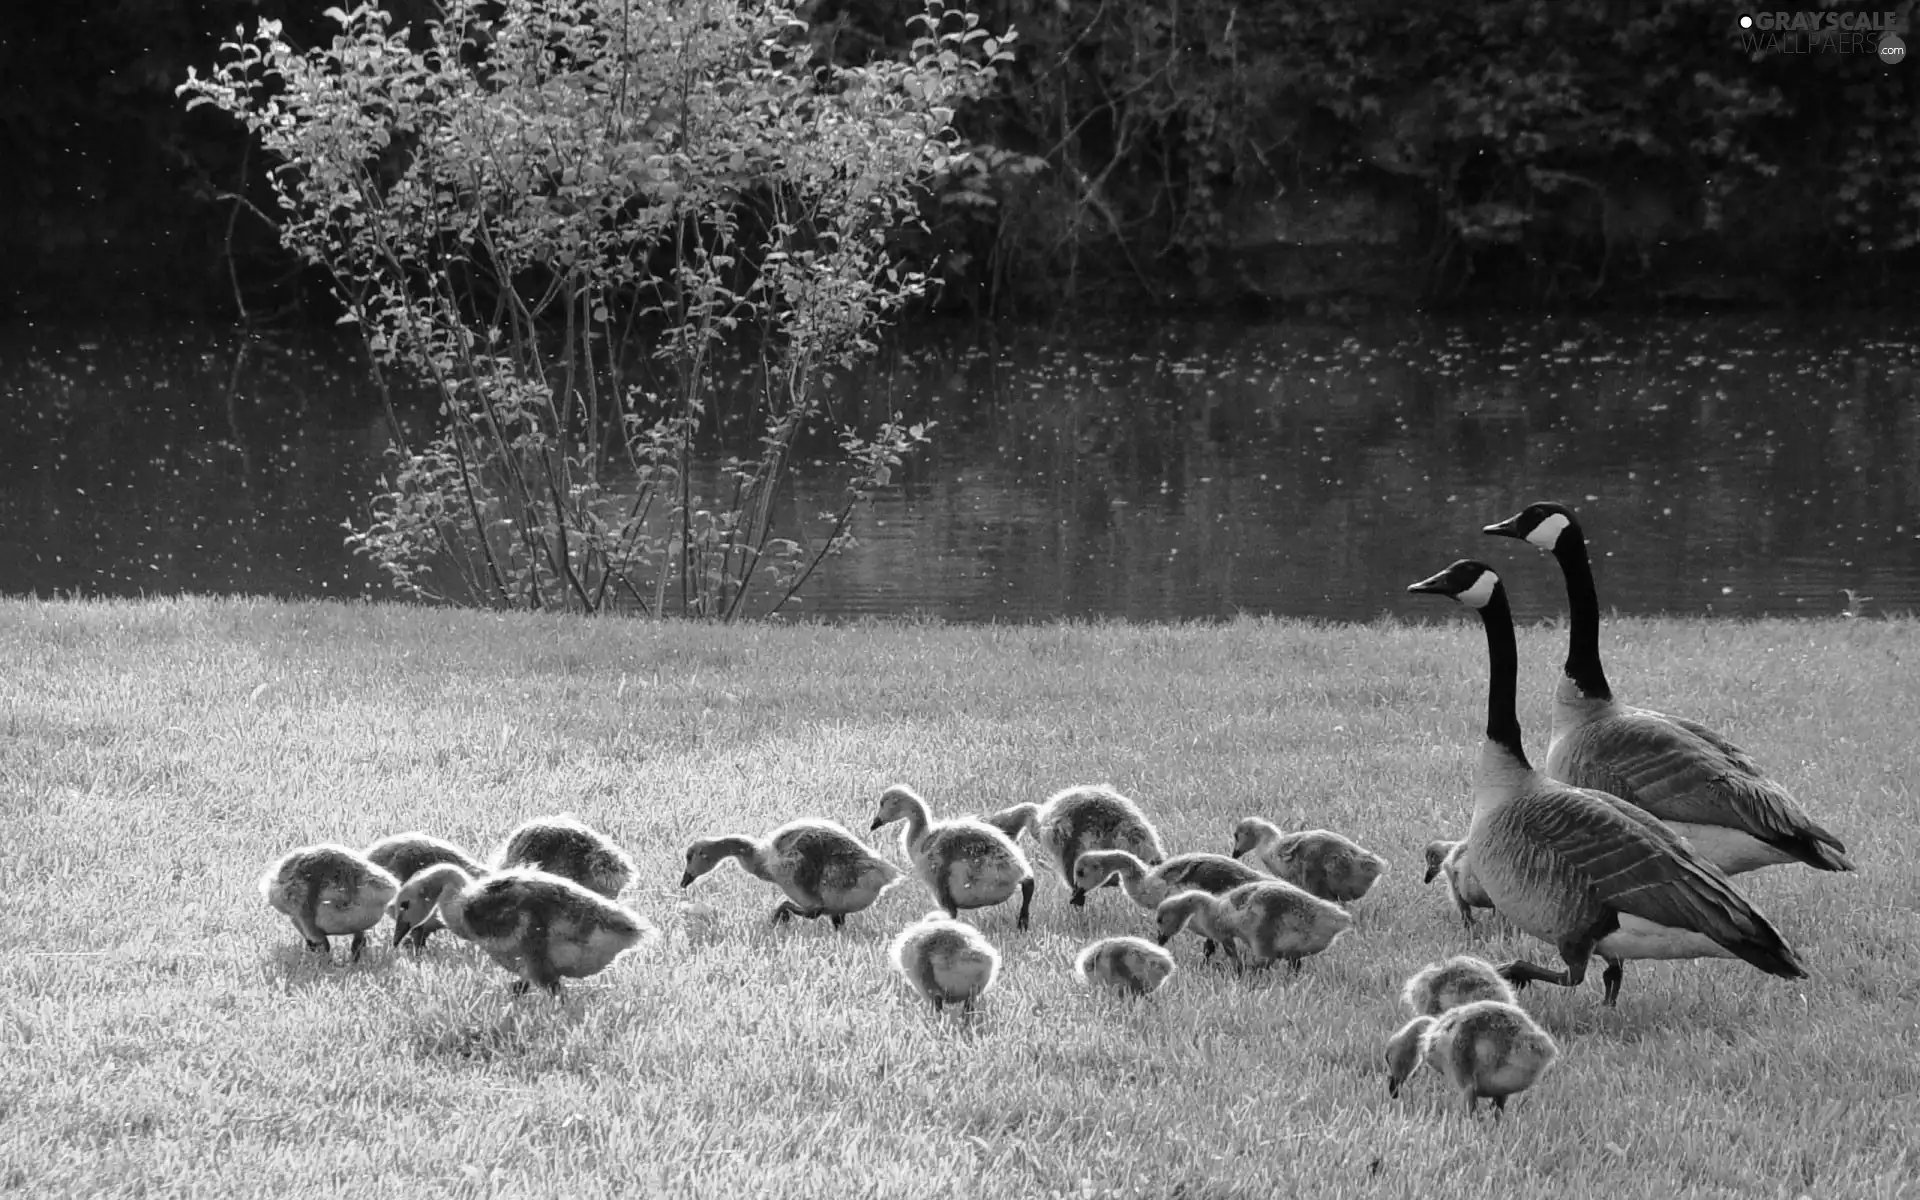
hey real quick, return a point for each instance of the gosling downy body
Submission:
(946, 961)
(1257, 923)
(1448, 860)
(1462, 979)
(1330, 866)
(1488, 1048)
(1707, 790)
(405, 855)
(964, 862)
(328, 891)
(1080, 819)
(539, 927)
(1582, 870)
(1129, 965)
(824, 870)
(568, 847)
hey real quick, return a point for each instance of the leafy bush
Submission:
(570, 216)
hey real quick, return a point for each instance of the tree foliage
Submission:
(569, 216)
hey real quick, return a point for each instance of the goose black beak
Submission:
(1164, 938)
(400, 930)
(1432, 585)
(1507, 528)
(687, 879)
(877, 823)
(1079, 898)
(1432, 871)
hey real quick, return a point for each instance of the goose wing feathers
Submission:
(1680, 770)
(1630, 863)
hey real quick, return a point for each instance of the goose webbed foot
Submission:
(783, 913)
(1520, 973)
(319, 946)
(519, 987)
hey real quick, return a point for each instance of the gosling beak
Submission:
(1433, 869)
(400, 930)
(877, 823)
(687, 879)
(1507, 528)
(1164, 938)
(1079, 897)
(1433, 585)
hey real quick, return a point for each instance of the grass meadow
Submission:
(164, 1032)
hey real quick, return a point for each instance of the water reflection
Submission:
(1194, 470)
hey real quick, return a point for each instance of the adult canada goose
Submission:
(1488, 1048)
(1704, 787)
(1582, 870)
(824, 870)
(964, 862)
(1449, 861)
(538, 926)
(1079, 819)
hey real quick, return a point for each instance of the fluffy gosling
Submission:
(328, 891)
(566, 846)
(1448, 860)
(405, 855)
(1129, 965)
(539, 927)
(1488, 1048)
(824, 870)
(1330, 866)
(1077, 820)
(965, 863)
(1462, 979)
(1271, 918)
(946, 961)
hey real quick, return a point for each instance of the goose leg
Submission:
(417, 938)
(1520, 972)
(359, 943)
(1611, 977)
(1499, 1107)
(1207, 947)
(839, 920)
(1026, 903)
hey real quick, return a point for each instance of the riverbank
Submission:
(164, 1029)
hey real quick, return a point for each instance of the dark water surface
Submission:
(1741, 466)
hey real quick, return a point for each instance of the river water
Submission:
(1195, 469)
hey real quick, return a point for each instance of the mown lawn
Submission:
(164, 1032)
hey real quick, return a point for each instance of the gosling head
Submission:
(1471, 583)
(1538, 524)
(1246, 835)
(1090, 871)
(1174, 913)
(418, 897)
(702, 856)
(1404, 1053)
(895, 804)
(1436, 853)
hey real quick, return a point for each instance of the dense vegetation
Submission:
(1173, 149)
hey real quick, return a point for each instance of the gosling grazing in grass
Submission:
(405, 855)
(539, 927)
(1080, 819)
(1487, 1048)
(1330, 866)
(946, 961)
(1148, 886)
(568, 847)
(1581, 870)
(327, 891)
(824, 870)
(1271, 919)
(966, 863)
(1129, 965)
(1449, 861)
(1462, 979)
(1707, 790)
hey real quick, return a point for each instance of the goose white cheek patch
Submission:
(1481, 591)
(1547, 532)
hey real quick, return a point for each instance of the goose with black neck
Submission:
(1580, 869)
